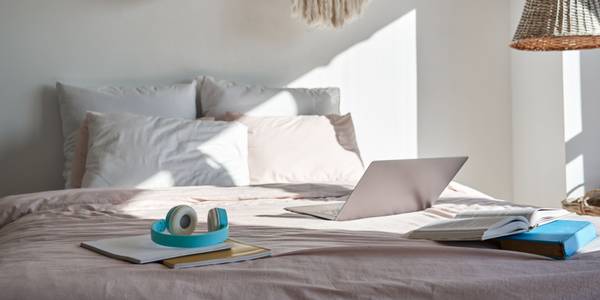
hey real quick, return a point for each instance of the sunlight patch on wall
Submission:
(575, 177)
(573, 122)
(378, 81)
(572, 94)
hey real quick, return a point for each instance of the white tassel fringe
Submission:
(329, 13)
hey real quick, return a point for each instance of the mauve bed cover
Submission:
(313, 259)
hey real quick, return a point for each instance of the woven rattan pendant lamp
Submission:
(555, 25)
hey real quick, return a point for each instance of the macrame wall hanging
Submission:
(328, 13)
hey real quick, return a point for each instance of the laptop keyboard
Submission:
(331, 211)
(326, 209)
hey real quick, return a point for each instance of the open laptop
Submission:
(391, 187)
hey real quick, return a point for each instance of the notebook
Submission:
(485, 225)
(239, 251)
(559, 239)
(141, 249)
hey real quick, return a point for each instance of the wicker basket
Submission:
(548, 25)
(589, 204)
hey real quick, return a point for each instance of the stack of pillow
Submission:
(150, 137)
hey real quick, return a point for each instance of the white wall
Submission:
(378, 79)
(464, 89)
(440, 88)
(537, 114)
(582, 124)
(556, 141)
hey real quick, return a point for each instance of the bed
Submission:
(133, 153)
(369, 258)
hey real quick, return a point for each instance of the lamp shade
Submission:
(554, 25)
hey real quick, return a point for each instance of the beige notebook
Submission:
(238, 252)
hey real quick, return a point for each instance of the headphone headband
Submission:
(219, 235)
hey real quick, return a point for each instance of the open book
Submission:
(485, 225)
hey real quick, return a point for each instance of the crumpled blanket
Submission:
(40, 257)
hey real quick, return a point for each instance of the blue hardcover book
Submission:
(558, 239)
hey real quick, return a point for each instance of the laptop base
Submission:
(321, 211)
(390, 187)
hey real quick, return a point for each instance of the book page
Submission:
(481, 224)
(535, 216)
(546, 215)
(471, 229)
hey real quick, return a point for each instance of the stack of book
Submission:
(141, 249)
(537, 231)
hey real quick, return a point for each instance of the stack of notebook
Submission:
(238, 252)
(536, 231)
(141, 249)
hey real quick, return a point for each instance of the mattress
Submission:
(40, 257)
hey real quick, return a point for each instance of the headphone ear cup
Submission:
(181, 220)
(217, 219)
(169, 215)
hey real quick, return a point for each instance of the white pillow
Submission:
(177, 101)
(127, 150)
(218, 97)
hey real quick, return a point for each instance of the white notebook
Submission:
(141, 249)
(485, 225)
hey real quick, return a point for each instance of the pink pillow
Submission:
(300, 149)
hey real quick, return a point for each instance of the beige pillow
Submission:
(301, 149)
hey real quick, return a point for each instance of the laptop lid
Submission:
(391, 187)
